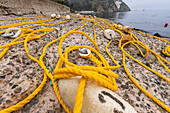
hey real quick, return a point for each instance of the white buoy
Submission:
(53, 15)
(58, 16)
(109, 34)
(14, 29)
(97, 99)
(68, 17)
(119, 26)
(84, 52)
(7, 35)
(78, 14)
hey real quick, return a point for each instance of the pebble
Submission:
(18, 90)
(137, 98)
(139, 93)
(147, 64)
(124, 86)
(2, 76)
(1, 99)
(14, 86)
(10, 63)
(8, 101)
(126, 96)
(17, 68)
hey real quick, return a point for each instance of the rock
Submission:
(96, 98)
(133, 51)
(17, 68)
(124, 86)
(150, 58)
(22, 7)
(10, 63)
(18, 90)
(8, 101)
(2, 76)
(137, 98)
(14, 86)
(157, 34)
(96, 5)
(147, 64)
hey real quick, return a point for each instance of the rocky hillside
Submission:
(96, 5)
(21, 7)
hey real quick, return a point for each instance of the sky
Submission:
(148, 4)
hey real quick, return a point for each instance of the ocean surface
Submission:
(152, 21)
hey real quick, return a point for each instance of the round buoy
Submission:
(166, 25)
(68, 17)
(126, 39)
(109, 34)
(58, 16)
(97, 99)
(119, 26)
(126, 29)
(53, 15)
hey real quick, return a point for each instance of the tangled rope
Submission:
(101, 73)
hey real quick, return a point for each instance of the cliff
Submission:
(97, 5)
(21, 7)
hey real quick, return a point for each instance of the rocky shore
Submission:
(20, 76)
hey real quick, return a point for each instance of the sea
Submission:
(151, 21)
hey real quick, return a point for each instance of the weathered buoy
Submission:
(68, 17)
(53, 15)
(126, 29)
(119, 26)
(125, 39)
(84, 52)
(14, 29)
(58, 16)
(109, 34)
(97, 99)
(166, 25)
(7, 35)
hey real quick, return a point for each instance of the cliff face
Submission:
(21, 7)
(97, 5)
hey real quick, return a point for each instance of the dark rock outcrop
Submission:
(22, 7)
(97, 5)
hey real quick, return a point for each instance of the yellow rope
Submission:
(95, 73)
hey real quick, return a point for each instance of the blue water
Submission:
(152, 21)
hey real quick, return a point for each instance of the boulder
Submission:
(23, 7)
(96, 5)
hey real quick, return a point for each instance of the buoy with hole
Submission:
(109, 34)
(166, 25)
(126, 29)
(53, 15)
(96, 99)
(68, 17)
(84, 52)
(8, 31)
(7, 35)
(58, 16)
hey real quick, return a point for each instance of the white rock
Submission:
(97, 99)
(68, 17)
(109, 34)
(53, 15)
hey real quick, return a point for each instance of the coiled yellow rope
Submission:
(95, 73)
